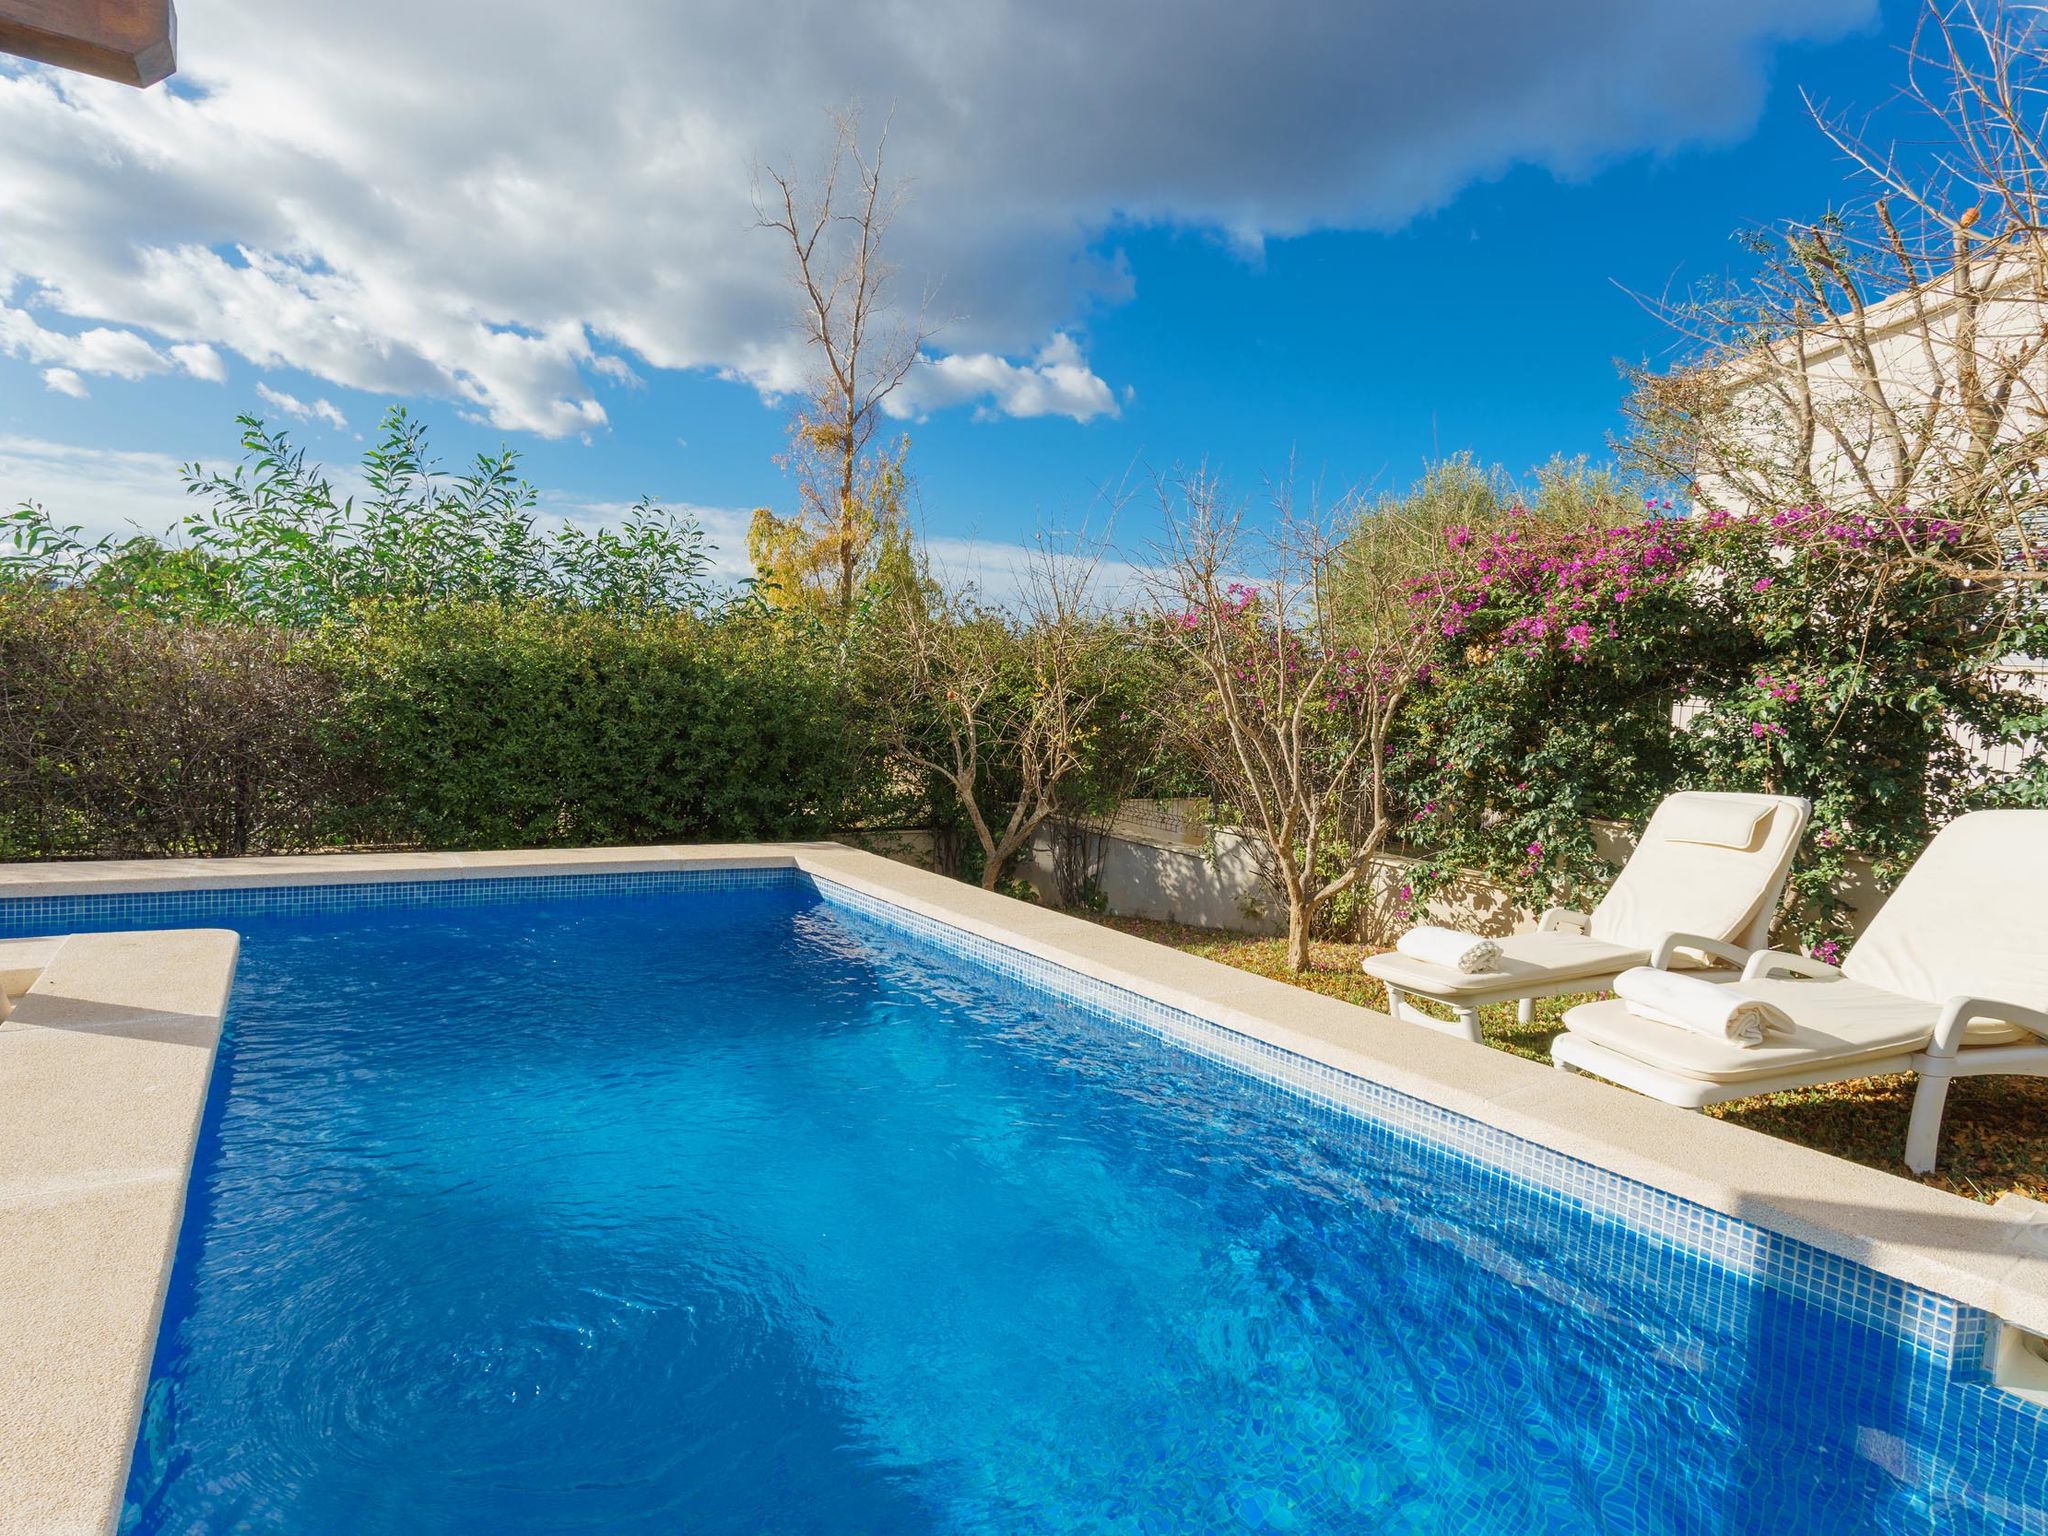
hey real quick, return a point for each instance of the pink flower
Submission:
(1827, 952)
(1761, 584)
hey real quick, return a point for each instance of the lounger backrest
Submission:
(1970, 918)
(1711, 864)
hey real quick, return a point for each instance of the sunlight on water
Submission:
(731, 1212)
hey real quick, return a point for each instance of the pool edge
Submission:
(1990, 1257)
(112, 1047)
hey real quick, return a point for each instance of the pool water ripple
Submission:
(736, 1212)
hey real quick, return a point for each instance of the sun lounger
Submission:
(1710, 864)
(1950, 980)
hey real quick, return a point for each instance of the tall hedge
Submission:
(484, 725)
(124, 734)
(458, 725)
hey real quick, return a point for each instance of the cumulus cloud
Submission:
(65, 381)
(201, 361)
(1057, 382)
(309, 196)
(324, 411)
(104, 350)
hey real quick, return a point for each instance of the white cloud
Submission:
(100, 490)
(201, 361)
(319, 410)
(1057, 382)
(121, 354)
(104, 350)
(65, 381)
(617, 369)
(491, 215)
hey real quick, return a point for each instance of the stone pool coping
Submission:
(103, 1080)
(104, 1065)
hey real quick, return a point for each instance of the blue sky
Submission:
(1357, 320)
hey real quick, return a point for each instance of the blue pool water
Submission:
(737, 1211)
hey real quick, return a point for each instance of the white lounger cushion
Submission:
(1832, 1021)
(1721, 821)
(1525, 958)
(1969, 920)
(1677, 882)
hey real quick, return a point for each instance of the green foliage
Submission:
(521, 725)
(1853, 672)
(1816, 654)
(124, 734)
(1551, 705)
(273, 542)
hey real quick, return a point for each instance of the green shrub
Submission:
(122, 734)
(526, 725)
(1821, 655)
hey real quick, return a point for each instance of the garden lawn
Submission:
(1994, 1137)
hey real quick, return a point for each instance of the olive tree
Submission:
(997, 702)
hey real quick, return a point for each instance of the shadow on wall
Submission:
(1211, 886)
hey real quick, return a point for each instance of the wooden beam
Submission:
(132, 41)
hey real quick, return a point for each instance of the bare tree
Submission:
(1295, 651)
(997, 704)
(1892, 356)
(861, 347)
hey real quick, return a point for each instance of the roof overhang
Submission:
(132, 41)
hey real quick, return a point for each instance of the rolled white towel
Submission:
(1704, 1007)
(1447, 947)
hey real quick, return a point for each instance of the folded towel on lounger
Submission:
(1704, 1007)
(1452, 950)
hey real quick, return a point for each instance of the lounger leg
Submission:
(1399, 1006)
(1525, 1010)
(1465, 1023)
(1923, 1131)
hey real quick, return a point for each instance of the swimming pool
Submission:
(739, 1203)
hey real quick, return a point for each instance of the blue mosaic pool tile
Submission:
(27, 916)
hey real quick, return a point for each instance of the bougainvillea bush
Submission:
(1804, 652)
(1566, 648)
(1860, 676)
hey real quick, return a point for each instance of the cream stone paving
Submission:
(104, 1065)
